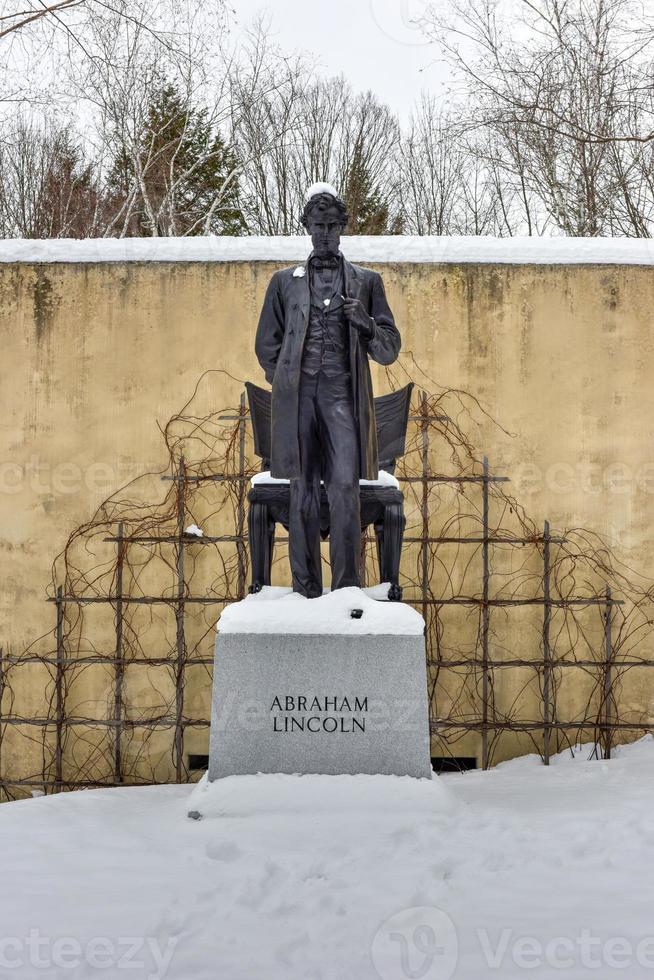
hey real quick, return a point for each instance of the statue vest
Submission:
(326, 343)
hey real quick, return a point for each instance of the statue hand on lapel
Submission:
(359, 318)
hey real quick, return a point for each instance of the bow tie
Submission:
(330, 262)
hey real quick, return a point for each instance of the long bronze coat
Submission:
(279, 343)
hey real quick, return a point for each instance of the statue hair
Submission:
(322, 201)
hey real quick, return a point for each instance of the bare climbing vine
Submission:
(119, 690)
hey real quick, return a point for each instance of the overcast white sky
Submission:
(373, 43)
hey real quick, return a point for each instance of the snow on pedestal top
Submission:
(279, 610)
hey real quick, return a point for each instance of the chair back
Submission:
(392, 419)
(391, 416)
(260, 402)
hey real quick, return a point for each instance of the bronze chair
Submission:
(381, 505)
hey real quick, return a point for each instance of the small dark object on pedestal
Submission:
(356, 613)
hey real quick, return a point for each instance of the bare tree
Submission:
(367, 171)
(151, 120)
(326, 132)
(42, 40)
(431, 167)
(265, 96)
(559, 90)
(47, 189)
(554, 62)
(18, 16)
(157, 110)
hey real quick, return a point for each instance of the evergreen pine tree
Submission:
(367, 206)
(183, 165)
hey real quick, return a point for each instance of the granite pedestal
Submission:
(320, 703)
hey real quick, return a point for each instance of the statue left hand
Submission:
(358, 318)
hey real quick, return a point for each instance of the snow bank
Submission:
(384, 479)
(241, 796)
(360, 248)
(559, 858)
(279, 610)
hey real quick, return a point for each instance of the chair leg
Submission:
(391, 548)
(379, 538)
(261, 533)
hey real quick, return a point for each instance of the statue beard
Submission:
(327, 249)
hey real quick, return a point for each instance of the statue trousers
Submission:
(329, 450)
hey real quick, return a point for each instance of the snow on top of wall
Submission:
(362, 248)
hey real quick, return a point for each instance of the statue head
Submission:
(324, 217)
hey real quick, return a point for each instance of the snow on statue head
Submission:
(318, 198)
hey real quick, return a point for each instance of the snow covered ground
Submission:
(519, 872)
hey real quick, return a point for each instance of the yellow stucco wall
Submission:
(94, 355)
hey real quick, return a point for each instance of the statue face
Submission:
(325, 226)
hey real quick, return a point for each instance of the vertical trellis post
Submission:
(2, 691)
(547, 654)
(180, 483)
(608, 678)
(119, 666)
(240, 517)
(59, 689)
(424, 505)
(362, 560)
(485, 621)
